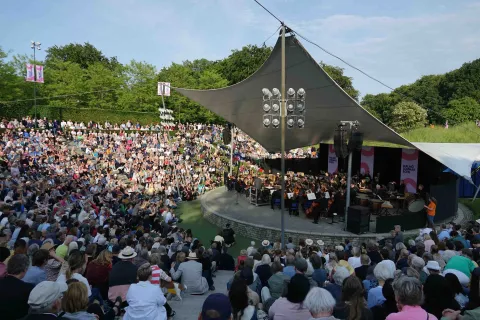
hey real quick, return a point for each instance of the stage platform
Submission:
(220, 207)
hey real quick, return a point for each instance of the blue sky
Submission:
(395, 41)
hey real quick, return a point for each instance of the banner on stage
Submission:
(366, 162)
(332, 160)
(409, 169)
(164, 87)
(30, 73)
(39, 70)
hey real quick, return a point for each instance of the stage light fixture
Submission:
(301, 93)
(290, 106)
(266, 121)
(275, 122)
(291, 93)
(266, 94)
(301, 122)
(290, 122)
(276, 93)
(300, 106)
(275, 107)
(266, 107)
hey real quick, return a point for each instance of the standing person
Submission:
(145, 300)
(14, 292)
(229, 235)
(398, 238)
(431, 210)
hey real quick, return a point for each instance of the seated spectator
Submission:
(277, 282)
(54, 262)
(225, 261)
(355, 260)
(461, 266)
(361, 272)
(239, 300)
(191, 275)
(292, 307)
(319, 274)
(216, 306)
(76, 268)
(335, 288)
(98, 272)
(382, 273)
(289, 269)
(45, 300)
(301, 267)
(320, 304)
(408, 294)
(263, 269)
(123, 274)
(457, 289)
(389, 306)
(402, 261)
(145, 300)
(353, 301)
(14, 292)
(241, 257)
(36, 272)
(4, 254)
(438, 296)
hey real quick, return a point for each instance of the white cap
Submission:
(45, 293)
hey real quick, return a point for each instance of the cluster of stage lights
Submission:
(295, 105)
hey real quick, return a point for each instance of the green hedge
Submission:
(77, 114)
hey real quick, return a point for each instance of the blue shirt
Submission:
(289, 271)
(444, 234)
(320, 276)
(35, 275)
(375, 297)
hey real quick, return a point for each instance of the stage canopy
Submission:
(326, 103)
(458, 157)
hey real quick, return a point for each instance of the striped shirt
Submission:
(157, 274)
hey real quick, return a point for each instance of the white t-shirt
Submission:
(354, 262)
(79, 277)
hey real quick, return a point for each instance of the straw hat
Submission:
(192, 256)
(309, 242)
(320, 242)
(127, 253)
(265, 243)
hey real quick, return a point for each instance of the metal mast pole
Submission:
(282, 128)
(231, 151)
(168, 137)
(349, 181)
(35, 85)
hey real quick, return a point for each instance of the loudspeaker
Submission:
(227, 135)
(340, 143)
(356, 141)
(258, 184)
(358, 219)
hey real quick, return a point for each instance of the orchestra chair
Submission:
(294, 208)
(334, 214)
(276, 203)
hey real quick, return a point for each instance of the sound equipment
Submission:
(358, 219)
(227, 135)
(340, 143)
(258, 183)
(356, 141)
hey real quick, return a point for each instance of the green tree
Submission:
(241, 64)
(12, 82)
(462, 110)
(104, 85)
(336, 73)
(425, 92)
(462, 82)
(407, 116)
(139, 87)
(82, 54)
(381, 104)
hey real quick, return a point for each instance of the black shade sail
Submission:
(326, 103)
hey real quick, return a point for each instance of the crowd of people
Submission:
(88, 230)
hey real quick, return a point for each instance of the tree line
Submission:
(124, 91)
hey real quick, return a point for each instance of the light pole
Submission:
(284, 112)
(35, 46)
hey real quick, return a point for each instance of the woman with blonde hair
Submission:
(98, 271)
(75, 305)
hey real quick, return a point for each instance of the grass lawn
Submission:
(202, 229)
(466, 133)
(474, 206)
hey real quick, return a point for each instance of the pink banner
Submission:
(332, 160)
(409, 169)
(366, 162)
(39, 70)
(30, 73)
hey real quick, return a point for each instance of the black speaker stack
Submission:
(345, 142)
(358, 219)
(227, 134)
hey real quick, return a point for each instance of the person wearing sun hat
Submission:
(122, 275)
(45, 300)
(190, 273)
(266, 244)
(309, 242)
